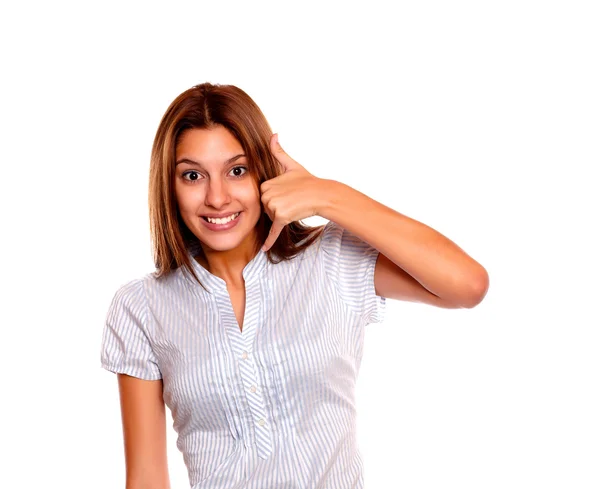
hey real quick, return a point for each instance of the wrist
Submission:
(329, 197)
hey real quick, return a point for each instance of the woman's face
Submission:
(212, 179)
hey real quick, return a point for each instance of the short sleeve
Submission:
(350, 264)
(125, 345)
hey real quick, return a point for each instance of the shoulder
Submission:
(128, 289)
(137, 285)
(338, 241)
(329, 235)
(133, 293)
(331, 229)
(129, 300)
(151, 284)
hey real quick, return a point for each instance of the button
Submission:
(245, 355)
(253, 388)
(261, 422)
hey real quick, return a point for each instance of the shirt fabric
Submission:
(271, 406)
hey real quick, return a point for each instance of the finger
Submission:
(281, 156)
(274, 233)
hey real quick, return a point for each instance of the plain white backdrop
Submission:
(480, 119)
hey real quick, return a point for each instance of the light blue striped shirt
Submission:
(271, 406)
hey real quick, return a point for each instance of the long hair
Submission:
(202, 107)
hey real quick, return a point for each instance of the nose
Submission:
(217, 194)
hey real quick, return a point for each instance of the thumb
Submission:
(281, 156)
(275, 145)
(286, 161)
(275, 142)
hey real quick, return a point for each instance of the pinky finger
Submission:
(274, 233)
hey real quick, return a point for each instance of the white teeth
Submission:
(223, 220)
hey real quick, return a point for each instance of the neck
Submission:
(229, 264)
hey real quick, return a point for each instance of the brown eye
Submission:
(237, 168)
(191, 172)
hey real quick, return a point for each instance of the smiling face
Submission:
(212, 180)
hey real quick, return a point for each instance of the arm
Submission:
(144, 433)
(419, 263)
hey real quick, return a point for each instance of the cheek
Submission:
(251, 196)
(187, 200)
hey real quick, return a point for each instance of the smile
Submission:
(223, 223)
(222, 220)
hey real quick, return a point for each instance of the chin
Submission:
(224, 243)
(221, 244)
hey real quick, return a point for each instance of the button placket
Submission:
(250, 396)
(249, 403)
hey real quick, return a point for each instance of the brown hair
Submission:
(204, 106)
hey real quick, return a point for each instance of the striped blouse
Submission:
(271, 406)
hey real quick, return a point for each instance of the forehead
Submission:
(216, 142)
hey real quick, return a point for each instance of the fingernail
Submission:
(277, 138)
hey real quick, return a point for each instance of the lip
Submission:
(218, 216)
(222, 227)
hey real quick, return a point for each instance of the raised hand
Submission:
(292, 196)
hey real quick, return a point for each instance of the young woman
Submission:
(251, 328)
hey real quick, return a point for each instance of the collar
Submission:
(252, 272)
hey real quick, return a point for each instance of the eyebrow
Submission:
(198, 163)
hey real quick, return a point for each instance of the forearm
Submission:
(433, 260)
(147, 484)
(150, 478)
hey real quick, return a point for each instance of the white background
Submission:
(480, 119)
